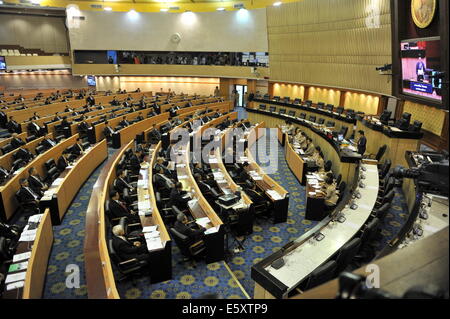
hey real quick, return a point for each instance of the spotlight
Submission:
(220, 9)
(107, 8)
(276, 4)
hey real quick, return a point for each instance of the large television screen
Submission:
(91, 80)
(421, 68)
(2, 63)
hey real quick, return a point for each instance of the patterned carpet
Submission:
(188, 282)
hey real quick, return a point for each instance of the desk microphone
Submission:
(362, 185)
(363, 168)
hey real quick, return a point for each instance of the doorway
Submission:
(241, 90)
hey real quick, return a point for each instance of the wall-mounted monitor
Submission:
(421, 68)
(91, 80)
(2, 63)
(111, 56)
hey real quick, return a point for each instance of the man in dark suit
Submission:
(124, 122)
(142, 104)
(16, 142)
(139, 117)
(57, 117)
(35, 129)
(194, 235)
(120, 183)
(118, 209)
(160, 163)
(157, 108)
(68, 109)
(154, 136)
(135, 161)
(35, 116)
(63, 162)
(27, 197)
(13, 126)
(77, 149)
(126, 249)
(35, 182)
(114, 102)
(362, 141)
(65, 122)
(108, 131)
(178, 196)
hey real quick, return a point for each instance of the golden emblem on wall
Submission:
(422, 12)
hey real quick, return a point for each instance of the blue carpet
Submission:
(68, 245)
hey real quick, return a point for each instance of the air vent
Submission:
(96, 6)
(174, 8)
(239, 6)
(79, 18)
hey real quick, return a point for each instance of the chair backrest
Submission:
(388, 197)
(321, 121)
(346, 254)
(282, 111)
(7, 148)
(382, 211)
(30, 138)
(417, 125)
(181, 241)
(328, 165)
(385, 168)
(322, 274)
(370, 231)
(381, 152)
(112, 253)
(344, 130)
(342, 187)
(338, 179)
(39, 149)
(340, 109)
(302, 115)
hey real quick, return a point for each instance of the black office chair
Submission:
(385, 117)
(6, 251)
(188, 250)
(387, 187)
(30, 138)
(7, 148)
(40, 149)
(330, 107)
(384, 169)
(243, 225)
(381, 212)
(328, 165)
(291, 113)
(312, 118)
(262, 107)
(272, 109)
(302, 116)
(385, 199)
(416, 127)
(164, 209)
(346, 254)
(338, 179)
(366, 250)
(308, 103)
(343, 131)
(282, 111)
(127, 268)
(379, 154)
(320, 105)
(330, 124)
(321, 275)
(321, 121)
(340, 110)
(403, 122)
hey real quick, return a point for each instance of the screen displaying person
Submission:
(420, 70)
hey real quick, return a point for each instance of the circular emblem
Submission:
(175, 38)
(422, 12)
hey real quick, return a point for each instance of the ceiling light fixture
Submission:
(107, 8)
(220, 9)
(276, 4)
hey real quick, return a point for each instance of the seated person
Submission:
(310, 148)
(68, 109)
(16, 142)
(242, 174)
(320, 163)
(135, 161)
(120, 183)
(124, 122)
(28, 198)
(77, 149)
(108, 131)
(65, 122)
(13, 126)
(288, 127)
(118, 209)
(83, 127)
(194, 235)
(178, 197)
(198, 170)
(125, 249)
(35, 117)
(35, 129)
(35, 182)
(139, 117)
(154, 136)
(57, 117)
(301, 140)
(162, 181)
(24, 154)
(142, 104)
(160, 163)
(330, 193)
(63, 162)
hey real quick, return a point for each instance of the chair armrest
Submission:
(129, 261)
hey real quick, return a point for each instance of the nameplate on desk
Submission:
(22, 256)
(211, 230)
(15, 285)
(15, 277)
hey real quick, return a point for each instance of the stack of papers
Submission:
(57, 181)
(213, 160)
(15, 280)
(28, 235)
(274, 194)
(22, 256)
(144, 207)
(203, 221)
(211, 230)
(154, 243)
(149, 229)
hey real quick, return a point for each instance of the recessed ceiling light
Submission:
(220, 9)
(164, 9)
(278, 3)
(107, 8)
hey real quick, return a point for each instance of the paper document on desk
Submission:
(148, 229)
(15, 285)
(29, 235)
(312, 193)
(274, 194)
(203, 221)
(213, 160)
(15, 277)
(35, 218)
(154, 244)
(153, 234)
(182, 177)
(57, 181)
(218, 175)
(181, 165)
(22, 256)
(211, 230)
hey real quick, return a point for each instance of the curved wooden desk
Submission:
(344, 160)
(8, 202)
(305, 254)
(36, 272)
(60, 194)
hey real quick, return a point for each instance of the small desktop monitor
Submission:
(340, 137)
(2, 63)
